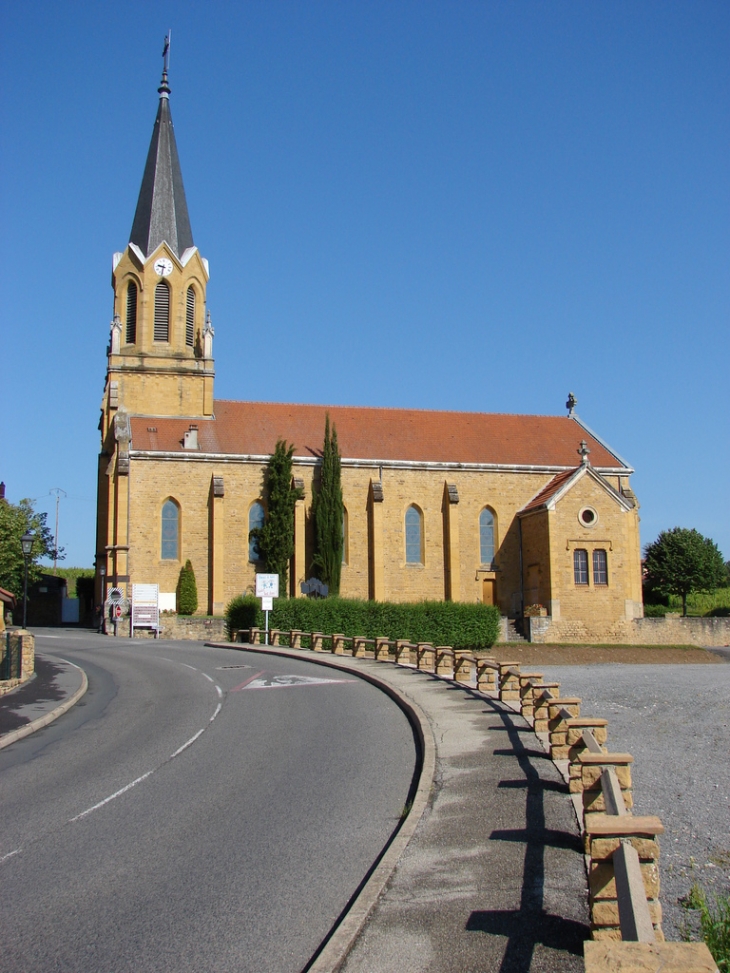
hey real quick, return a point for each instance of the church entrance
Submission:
(488, 592)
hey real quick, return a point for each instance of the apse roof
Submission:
(409, 436)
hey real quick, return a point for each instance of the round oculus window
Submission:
(588, 517)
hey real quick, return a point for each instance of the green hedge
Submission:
(463, 626)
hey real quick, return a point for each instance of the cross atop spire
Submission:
(162, 210)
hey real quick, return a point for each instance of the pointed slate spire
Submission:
(162, 212)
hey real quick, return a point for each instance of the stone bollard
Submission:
(445, 661)
(317, 642)
(425, 656)
(275, 635)
(608, 956)
(487, 675)
(509, 681)
(463, 661)
(541, 705)
(526, 692)
(254, 636)
(338, 644)
(358, 646)
(403, 651)
(558, 724)
(592, 767)
(576, 746)
(381, 650)
(605, 835)
(295, 639)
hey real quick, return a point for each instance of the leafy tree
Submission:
(681, 561)
(327, 512)
(16, 520)
(276, 538)
(187, 591)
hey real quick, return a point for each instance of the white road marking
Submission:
(209, 678)
(219, 690)
(116, 794)
(190, 742)
(17, 850)
(218, 708)
(287, 682)
(189, 667)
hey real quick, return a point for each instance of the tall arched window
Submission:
(486, 536)
(256, 520)
(414, 536)
(170, 531)
(162, 312)
(131, 329)
(190, 318)
(580, 566)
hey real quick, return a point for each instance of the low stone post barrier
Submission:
(612, 877)
(559, 712)
(295, 638)
(445, 665)
(598, 790)
(358, 646)
(487, 671)
(402, 651)
(528, 681)
(509, 681)
(275, 636)
(254, 636)
(577, 730)
(425, 656)
(338, 644)
(607, 956)
(381, 649)
(463, 662)
(317, 642)
(541, 699)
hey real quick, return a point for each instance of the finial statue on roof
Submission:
(583, 453)
(208, 334)
(116, 335)
(164, 89)
(571, 403)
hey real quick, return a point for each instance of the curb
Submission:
(340, 941)
(28, 728)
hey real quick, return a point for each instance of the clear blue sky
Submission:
(477, 206)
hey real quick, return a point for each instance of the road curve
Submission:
(192, 815)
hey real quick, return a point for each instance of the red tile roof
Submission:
(549, 490)
(387, 435)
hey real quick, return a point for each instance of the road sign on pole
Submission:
(267, 588)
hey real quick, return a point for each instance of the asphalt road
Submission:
(190, 816)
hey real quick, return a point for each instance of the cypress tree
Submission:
(276, 537)
(187, 591)
(327, 511)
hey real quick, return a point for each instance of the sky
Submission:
(472, 206)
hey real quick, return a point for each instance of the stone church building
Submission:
(512, 510)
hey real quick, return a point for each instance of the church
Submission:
(534, 514)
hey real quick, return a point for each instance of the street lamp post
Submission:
(26, 544)
(102, 572)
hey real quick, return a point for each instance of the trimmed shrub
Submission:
(187, 591)
(463, 626)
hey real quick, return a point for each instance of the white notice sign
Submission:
(267, 604)
(267, 586)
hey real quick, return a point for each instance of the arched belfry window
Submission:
(256, 520)
(170, 531)
(190, 318)
(131, 329)
(414, 536)
(486, 536)
(162, 312)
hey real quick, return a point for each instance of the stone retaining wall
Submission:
(16, 642)
(194, 628)
(669, 630)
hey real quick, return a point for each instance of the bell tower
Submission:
(160, 354)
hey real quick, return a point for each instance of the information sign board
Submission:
(145, 607)
(267, 585)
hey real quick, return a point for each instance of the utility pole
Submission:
(57, 491)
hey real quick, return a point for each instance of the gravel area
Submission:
(675, 721)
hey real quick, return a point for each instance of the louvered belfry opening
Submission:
(190, 319)
(131, 313)
(162, 312)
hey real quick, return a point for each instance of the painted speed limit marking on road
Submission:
(265, 680)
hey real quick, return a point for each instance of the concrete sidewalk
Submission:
(55, 688)
(487, 873)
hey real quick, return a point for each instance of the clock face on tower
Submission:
(163, 267)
